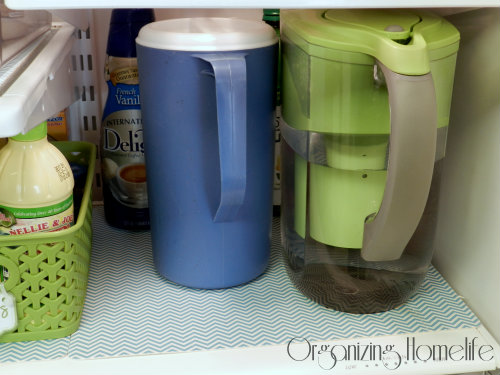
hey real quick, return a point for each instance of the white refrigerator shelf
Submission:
(135, 321)
(38, 82)
(61, 4)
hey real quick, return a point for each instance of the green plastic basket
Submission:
(48, 271)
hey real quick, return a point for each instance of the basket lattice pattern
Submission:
(47, 274)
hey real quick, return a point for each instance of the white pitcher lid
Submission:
(207, 34)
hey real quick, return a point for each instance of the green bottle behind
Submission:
(272, 18)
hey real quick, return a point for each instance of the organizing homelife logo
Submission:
(391, 357)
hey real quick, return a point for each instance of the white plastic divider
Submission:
(43, 88)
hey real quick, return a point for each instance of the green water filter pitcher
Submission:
(366, 98)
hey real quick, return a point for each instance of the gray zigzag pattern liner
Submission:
(131, 310)
(34, 350)
(152, 315)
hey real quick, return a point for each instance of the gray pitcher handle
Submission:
(412, 147)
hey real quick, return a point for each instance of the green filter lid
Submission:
(403, 40)
(38, 132)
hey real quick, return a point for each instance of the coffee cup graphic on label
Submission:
(132, 180)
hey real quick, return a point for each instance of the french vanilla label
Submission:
(122, 136)
(122, 148)
(16, 221)
(128, 75)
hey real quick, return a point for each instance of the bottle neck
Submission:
(37, 133)
(274, 24)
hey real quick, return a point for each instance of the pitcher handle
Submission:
(412, 147)
(231, 97)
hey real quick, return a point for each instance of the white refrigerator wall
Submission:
(468, 242)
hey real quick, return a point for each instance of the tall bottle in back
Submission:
(122, 148)
(272, 18)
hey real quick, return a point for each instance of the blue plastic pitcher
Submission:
(207, 94)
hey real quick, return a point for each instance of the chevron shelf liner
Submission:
(131, 310)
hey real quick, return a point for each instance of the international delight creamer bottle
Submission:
(36, 185)
(122, 148)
